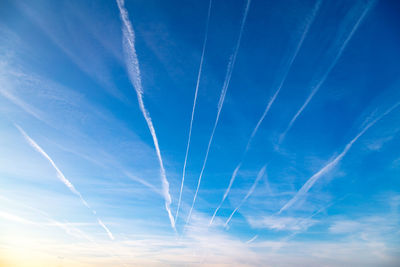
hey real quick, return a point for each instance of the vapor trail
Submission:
(70, 230)
(311, 181)
(194, 106)
(296, 51)
(271, 101)
(61, 176)
(253, 187)
(67, 227)
(228, 76)
(226, 192)
(252, 239)
(132, 64)
(331, 66)
(303, 220)
(143, 182)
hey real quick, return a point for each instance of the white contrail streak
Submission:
(228, 76)
(252, 239)
(69, 229)
(296, 51)
(61, 176)
(326, 74)
(304, 220)
(143, 182)
(132, 64)
(311, 181)
(271, 101)
(105, 228)
(253, 187)
(226, 192)
(194, 106)
(15, 218)
(17, 101)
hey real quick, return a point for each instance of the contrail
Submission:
(309, 22)
(143, 182)
(252, 239)
(61, 176)
(331, 66)
(311, 181)
(70, 230)
(132, 64)
(15, 218)
(296, 51)
(194, 106)
(253, 187)
(67, 227)
(226, 192)
(105, 228)
(228, 76)
(20, 103)
(303, 220)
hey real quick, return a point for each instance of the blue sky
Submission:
(279, 120)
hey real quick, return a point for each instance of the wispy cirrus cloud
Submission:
(132, 64)
(344, 226)
(78, 45)
(62, 178)
(281, 223)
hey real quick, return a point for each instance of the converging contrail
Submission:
(61, 176)
(326, 74)
(271, 101)
(304, 220)
(194, 106)
(228, 76)
(311, 181)
(132, 64)
(284, 76)
(253, 187)
(226, 192)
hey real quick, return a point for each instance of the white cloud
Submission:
(281, 223)
(342, 227)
